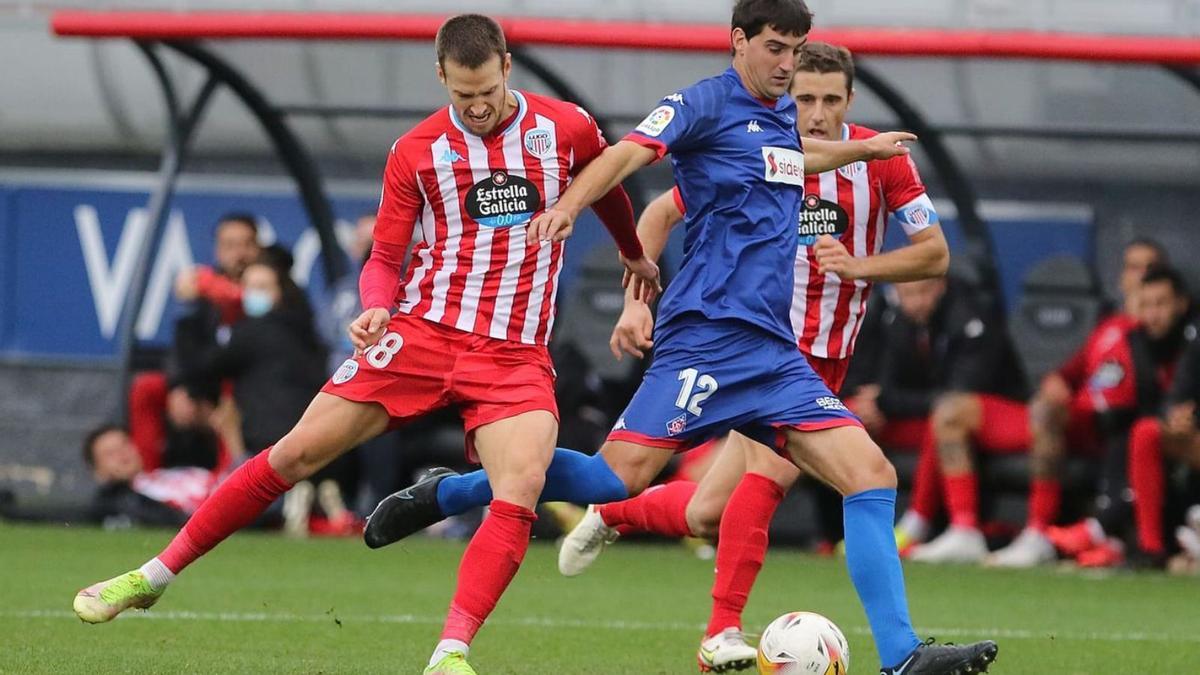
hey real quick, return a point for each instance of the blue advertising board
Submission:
(67, 254)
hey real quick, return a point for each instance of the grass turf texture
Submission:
(261, 603)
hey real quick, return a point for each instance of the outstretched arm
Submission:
(926, 256)
(821, 156)
(614, 165)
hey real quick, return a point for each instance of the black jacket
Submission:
(277, 364)
(964, 348)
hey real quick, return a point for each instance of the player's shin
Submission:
(488, 565)
(660, 510)
(236, 503)
(874, 565)
(741, 548)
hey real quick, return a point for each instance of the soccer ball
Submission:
(803, 643)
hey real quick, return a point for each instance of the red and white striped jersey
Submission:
(851, 203)
(472, 198)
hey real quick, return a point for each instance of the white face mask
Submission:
(256, 302)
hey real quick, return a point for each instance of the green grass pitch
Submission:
(264, 604)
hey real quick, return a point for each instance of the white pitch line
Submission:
(560, 623)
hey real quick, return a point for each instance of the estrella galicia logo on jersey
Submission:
(853, 170)
(539, 143)
(656, 122)
(818, 217)
(783, 165)
(503, 200)
(677, 425)
(346, 371)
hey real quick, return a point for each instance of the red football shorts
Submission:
(419, 366)
(1005, 428)
(831, 371)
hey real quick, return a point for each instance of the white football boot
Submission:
(583, 545)
(955, 545)
(726, 652)
(1030, 549)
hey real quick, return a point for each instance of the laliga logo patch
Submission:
(346, 371)
(677, 425)
(503, 200)
(539, 143)
(853, 170)
(656, 121)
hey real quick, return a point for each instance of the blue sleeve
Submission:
(682, 120)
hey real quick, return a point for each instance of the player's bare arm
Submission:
(926, 256)
(634, 329)
(821, 156)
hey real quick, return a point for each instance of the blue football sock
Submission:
(572, 477)
(875, 570)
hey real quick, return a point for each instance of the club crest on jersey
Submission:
(853, 170)
(656, 122)
(539, 143)
(503, 200)
(783, 165)
(818, 217)
(346, 371)
(677, 425)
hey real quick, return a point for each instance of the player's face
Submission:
(822, 101)
(767, 61)
(236, 247)
(1137, 260)
(115, 457)
(919, 299)
(479, 95)
(1159, 308)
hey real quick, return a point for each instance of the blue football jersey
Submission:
(740, 168)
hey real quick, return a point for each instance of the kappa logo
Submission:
(753, 128)
(346, 371)
(620, 424)
(677, 425)
(675, 98)
(539, 143)
(450, 156)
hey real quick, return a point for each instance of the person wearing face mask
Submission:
(273, 357)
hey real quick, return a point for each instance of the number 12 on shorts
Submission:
(382, 353)
(695, 390)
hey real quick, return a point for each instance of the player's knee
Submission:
(875, 472)
(522, 486)
(293, 459)
(635, 469)
(704, 518)
(954, 413)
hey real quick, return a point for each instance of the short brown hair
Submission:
(470, 40)
(822, 57)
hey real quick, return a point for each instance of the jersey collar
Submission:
(845, 131)
(522, 106)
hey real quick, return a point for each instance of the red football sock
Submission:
(236, 503)
(741, 547)
(662, 510)
(1148, 483)
(1044, 495)
(927, 481)
(962, 496)
(488, 565)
